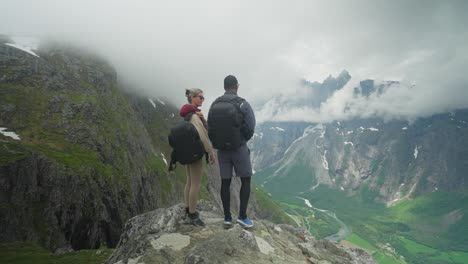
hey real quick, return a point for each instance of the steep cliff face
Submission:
(400, 159)
(380, 181)
(271, 140)
(395, 159)
(85, 156)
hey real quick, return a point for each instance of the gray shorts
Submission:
(238, 159)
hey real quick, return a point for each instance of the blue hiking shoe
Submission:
(245, 222)
(227, 223)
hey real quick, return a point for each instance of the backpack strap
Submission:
(233, 99)
(238, 102)
(189, 116)
(173, 163)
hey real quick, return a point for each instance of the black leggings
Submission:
(244, 197)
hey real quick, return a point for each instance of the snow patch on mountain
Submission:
(260, 135)
(324, 160)
(13, 135)
(152, 102)
(164, 158)
(25, 44)
(416, 152)
(277, 129)
(307, 131)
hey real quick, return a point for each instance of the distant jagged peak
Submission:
(344, 75)
(342, 78)
(369, 87)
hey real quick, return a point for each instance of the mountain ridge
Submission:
(85, 162)
(90, 153)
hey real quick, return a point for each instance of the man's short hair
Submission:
(230, 82)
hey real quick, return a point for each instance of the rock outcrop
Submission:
(161, 236)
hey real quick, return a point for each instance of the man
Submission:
(231, 123)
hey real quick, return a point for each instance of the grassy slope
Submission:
(429, 216)
(41, 132)
(405, 227)
(25, 253)
(381, 255)
(266, 202)
(402, 226)
(318, 224)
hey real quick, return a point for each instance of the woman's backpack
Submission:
(185, 142)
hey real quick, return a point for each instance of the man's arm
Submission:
(248, 128)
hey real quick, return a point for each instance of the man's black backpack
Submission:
(185, 142)
(225, 123)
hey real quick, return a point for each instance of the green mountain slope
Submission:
(396, 186)
(89, 157)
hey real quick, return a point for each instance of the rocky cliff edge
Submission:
(161, 236)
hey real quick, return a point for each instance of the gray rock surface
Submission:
(161, 236)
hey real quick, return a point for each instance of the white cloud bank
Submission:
(164, 47)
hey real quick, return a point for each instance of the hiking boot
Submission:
(227, 223)
(194, 219)
(186, 213)
(196, 222)
(245, 222)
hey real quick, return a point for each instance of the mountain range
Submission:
(81, 154)
(370, 170)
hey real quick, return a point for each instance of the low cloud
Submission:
(161, 48)
(399, 100)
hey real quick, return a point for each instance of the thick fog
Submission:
(160, 48)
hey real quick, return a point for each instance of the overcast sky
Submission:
(163, 48)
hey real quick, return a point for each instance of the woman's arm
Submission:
(202, 132)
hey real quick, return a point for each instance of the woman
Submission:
(194, 170)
